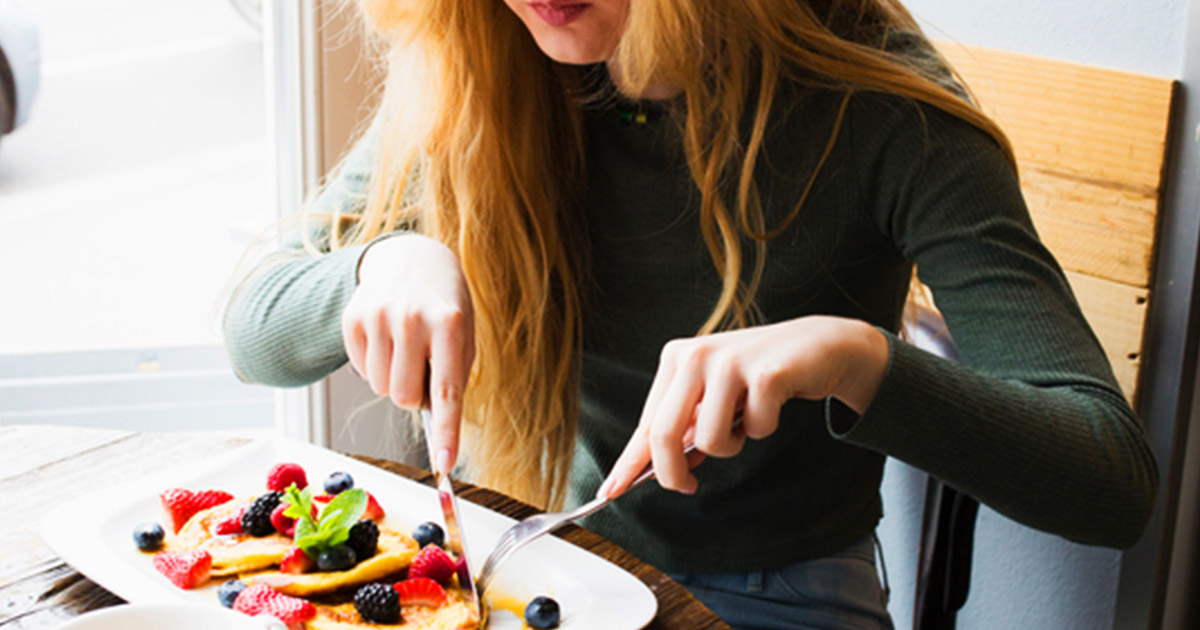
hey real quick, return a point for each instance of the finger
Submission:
(354, 338)
(714, 416)
(636, 456)
(632, 461)
(410, 347)
(379, 352)
(674, 416)
(761, 416)
(447, 381)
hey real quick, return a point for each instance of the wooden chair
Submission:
(1091, 146)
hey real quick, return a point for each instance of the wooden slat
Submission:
(1117, 313)
(1091, 145)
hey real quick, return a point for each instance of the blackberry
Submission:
(338, 558)
(429, 533)
(229, 591)
(256, 520)
(338, 482)
(364, 538)
(148, 536)
(542, 612)
(378, 603)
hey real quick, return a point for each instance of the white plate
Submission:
(94, 534)
(173, 616)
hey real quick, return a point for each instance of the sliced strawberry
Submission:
(231, 525)
(433, 563)
(420, 591)
(285, 525)
(283, 475)
(258, 599)
(185, 569)
(374, 511)
(180, 504)
(296, 561)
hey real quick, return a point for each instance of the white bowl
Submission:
(171, 617)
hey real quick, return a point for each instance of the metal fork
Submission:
(539, 525)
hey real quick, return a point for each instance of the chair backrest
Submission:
(1091, 146)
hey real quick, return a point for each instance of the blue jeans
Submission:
(838, 592)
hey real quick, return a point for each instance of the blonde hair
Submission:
(481, 147)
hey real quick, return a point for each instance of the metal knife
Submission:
(455, 540)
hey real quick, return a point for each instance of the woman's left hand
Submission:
(704, 382)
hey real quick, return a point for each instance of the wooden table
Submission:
(42, 467)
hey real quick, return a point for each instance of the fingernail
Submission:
(442, 461)
(604, 488)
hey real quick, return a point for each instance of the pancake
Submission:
(454, 614)
(231, 554)
(395, 553)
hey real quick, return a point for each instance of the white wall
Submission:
(1145, 36)
(1021, 578)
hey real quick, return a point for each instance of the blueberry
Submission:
(542, 613)
(148, 536)
(378, 603)
(429, 532)
(339, 558)
(229, 591)
(337, 482)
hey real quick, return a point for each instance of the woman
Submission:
(612, 228)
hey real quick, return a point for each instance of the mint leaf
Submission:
(299, 504)
(346, 508)
(332, 529)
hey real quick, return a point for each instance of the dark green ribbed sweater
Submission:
(1029, 421)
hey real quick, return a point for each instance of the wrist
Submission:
(865, 352)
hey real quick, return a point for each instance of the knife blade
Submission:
(455, 539)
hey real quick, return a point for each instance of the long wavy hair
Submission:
(481, 147)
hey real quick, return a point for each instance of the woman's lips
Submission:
(558, 13)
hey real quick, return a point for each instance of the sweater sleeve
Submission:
(1030, 420)
(282, 323)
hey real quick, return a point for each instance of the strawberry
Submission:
(185, 569)
(283, 475)
(431, 562)
(180, 504)
(260, 599)
(373, 512)
(285, 525)
(296, 561)
(420, 591)
(231, 525)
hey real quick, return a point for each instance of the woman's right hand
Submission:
(412, 306)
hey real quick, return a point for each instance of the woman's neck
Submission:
(651, 91)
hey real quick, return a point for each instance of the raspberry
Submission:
(180, 504)
(433, 563)
(364, 539)
(256, 520)
(185, 569)
(260, 598)
(283, 475)
(378, 603)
